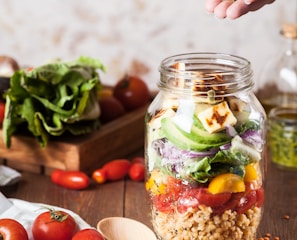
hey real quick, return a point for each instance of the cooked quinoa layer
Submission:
(202, 225)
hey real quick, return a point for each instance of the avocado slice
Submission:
(197, 139)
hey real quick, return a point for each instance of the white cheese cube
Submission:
(217, 117)
(155, 122)
(237, 104)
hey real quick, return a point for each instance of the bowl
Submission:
(121, 228)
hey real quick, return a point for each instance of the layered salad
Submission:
(204, 166)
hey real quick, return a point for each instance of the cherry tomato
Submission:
(88, 234)
(117, 169)
(137, 172)
(70, 179)
(52, 224)
(100, 176)
(138, 160)
(211, 200)
(2, 112)
(132, 92)
(11, 229)
(111, 108)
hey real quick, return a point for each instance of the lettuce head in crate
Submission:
(53, 99)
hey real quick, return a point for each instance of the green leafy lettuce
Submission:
(54, 98)
(209, 167)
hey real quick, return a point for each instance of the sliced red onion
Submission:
(231, 131)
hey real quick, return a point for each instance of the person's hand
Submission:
(234, 9)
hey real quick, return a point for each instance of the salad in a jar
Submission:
(204, 166)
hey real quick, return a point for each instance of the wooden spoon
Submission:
(120, 228)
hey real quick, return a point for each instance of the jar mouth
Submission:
(286, 115)
(200, 72)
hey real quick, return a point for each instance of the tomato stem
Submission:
(57, 216)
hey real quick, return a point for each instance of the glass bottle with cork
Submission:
(279, 78)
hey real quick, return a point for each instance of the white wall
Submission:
(135, 35)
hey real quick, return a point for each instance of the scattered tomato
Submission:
(117, 169)
(137, 172)
(2, 112)
(132, 92)
(11, 229)
(111, 108)
(99, 176)
(138, 160)
(88, 234)
(52, 224)
(76, 180)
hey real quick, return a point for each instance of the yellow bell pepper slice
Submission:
(250, 173)
(227, 182)
(155, 183)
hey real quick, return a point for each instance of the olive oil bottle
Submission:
(279, 76)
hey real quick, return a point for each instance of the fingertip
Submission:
(210, 5)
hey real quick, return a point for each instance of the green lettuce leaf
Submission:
(54, 98)
(209, 167)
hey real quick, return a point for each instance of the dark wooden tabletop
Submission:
(127, 198)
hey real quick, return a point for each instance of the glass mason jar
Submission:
(204, 149)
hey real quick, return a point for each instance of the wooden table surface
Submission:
(127, 198)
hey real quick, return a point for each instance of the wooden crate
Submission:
(113, 140)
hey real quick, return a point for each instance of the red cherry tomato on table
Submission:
(138, 160)
(137, 172)
(2, 112)
(11, 229)
(75, 180)
(132, 92)
(117, 169)
(111, 108)
(99, 176)
(88, 234)
(52, 224)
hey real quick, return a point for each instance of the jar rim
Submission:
(207, 66)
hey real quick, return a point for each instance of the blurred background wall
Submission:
(133, 36)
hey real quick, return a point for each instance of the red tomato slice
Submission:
(260, 197)
(211, 200)
(11, 229)
(163, 202)
(53, 224)
(246, 202)
(230, 204)
(88, 234)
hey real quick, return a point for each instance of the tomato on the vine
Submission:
(88, 234)
(132, 92)
(11, 229)
(52, 224)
